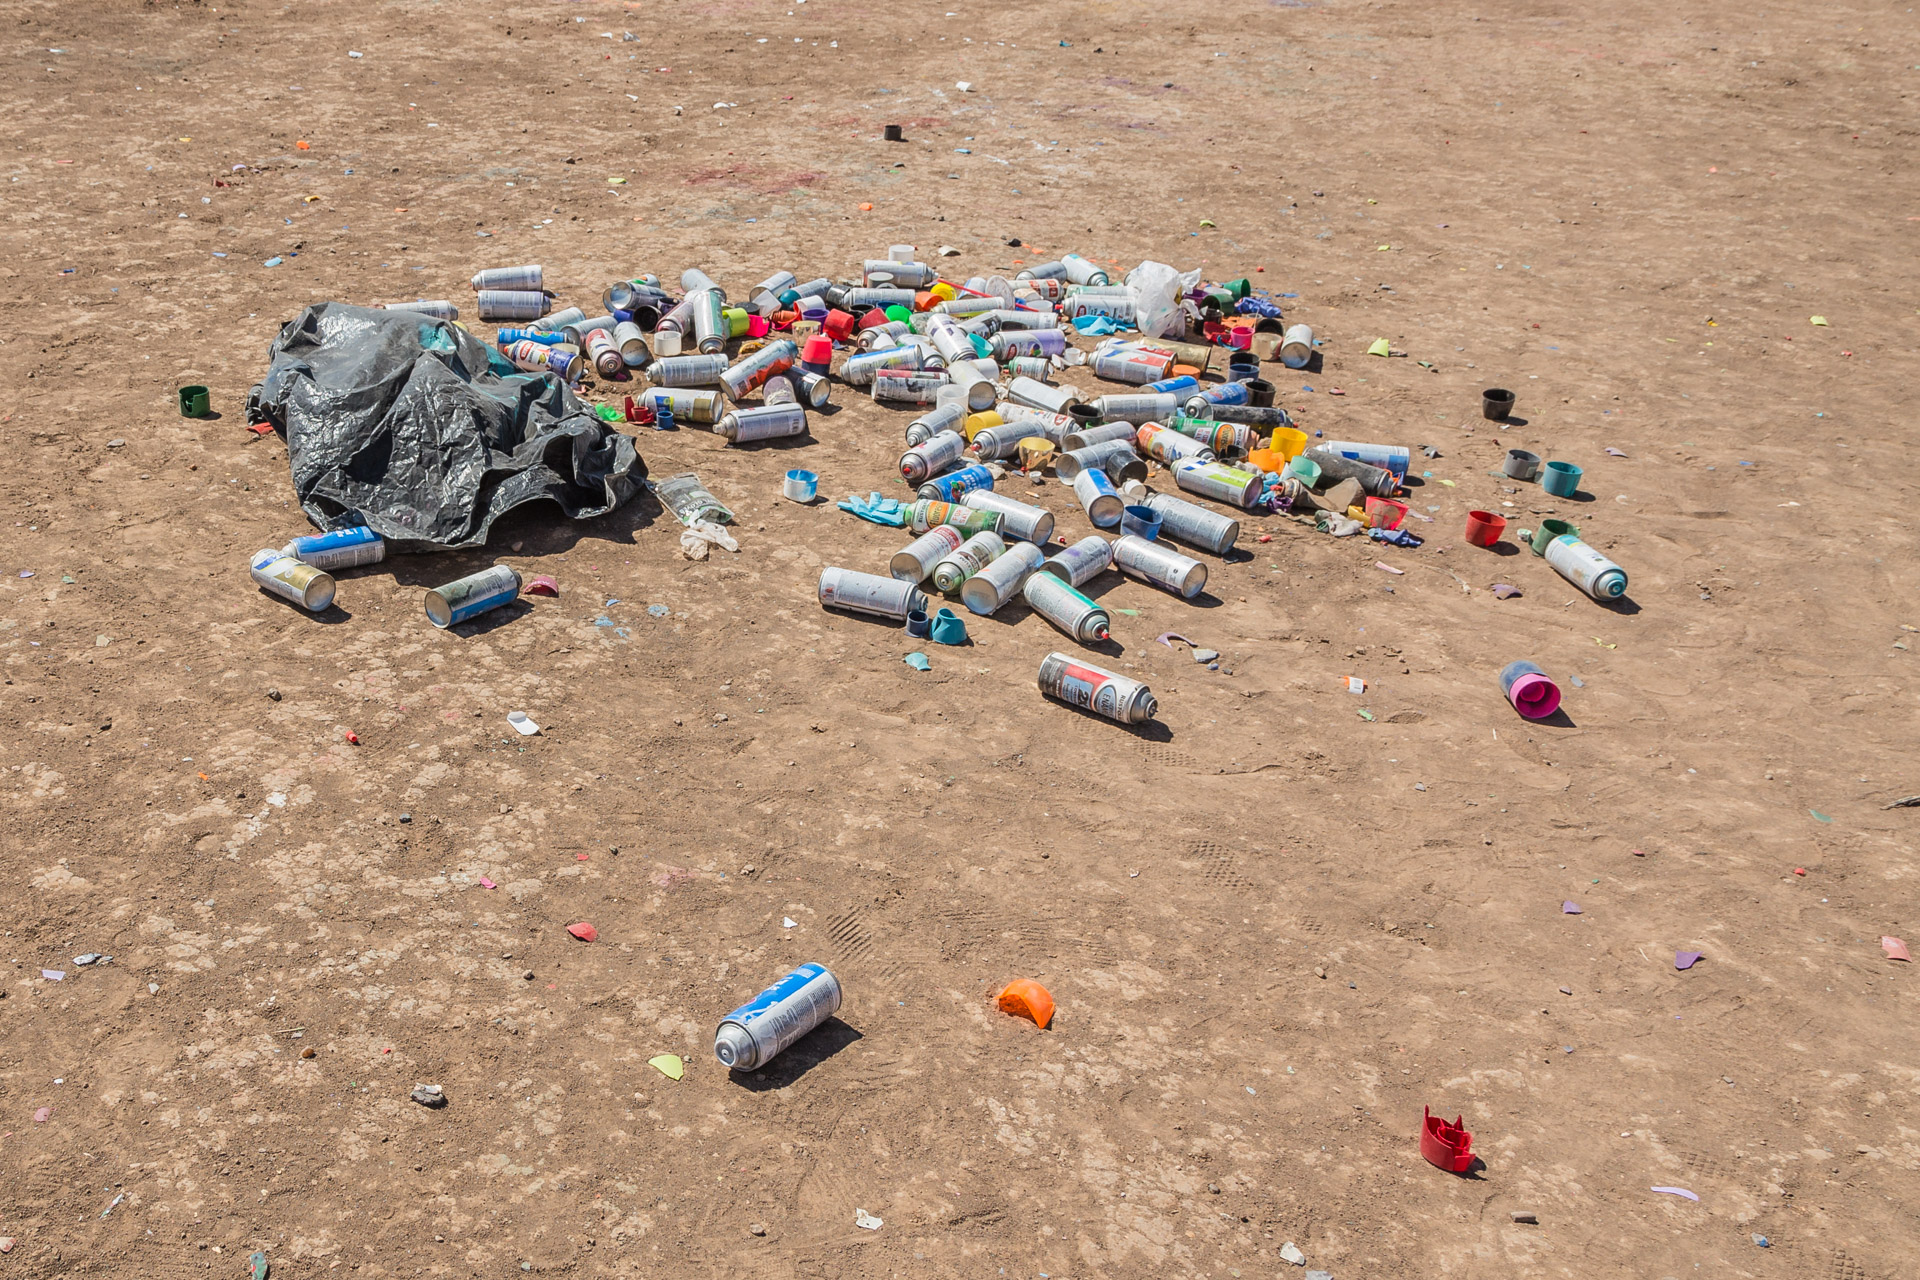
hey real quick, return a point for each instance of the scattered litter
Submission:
(542, 585)
(918, 661)
(1761, 1241)
(1686, 959)
(1023, 997)
(522, 723)
(703, 535)
(1504, 591)
(668, 1065)
(1570, 908)
(1380, 347)
(114, 1205)
(53, 975)
(1819, 320)
(91, 957)
(1291, 1253)
(584, 931)
(429, 1095)
(1356, 685)
(485, 883)
(258, 1264)
(43, 1115)
(1895, 949)
(1446, 1146)
(866, 1221)
(788, 922)
(1819, 816)
(1677, 1191)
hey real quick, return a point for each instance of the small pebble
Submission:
(429, 1095)
(308, 1052)
(757, 1229)
(528, 975)
(273, 694)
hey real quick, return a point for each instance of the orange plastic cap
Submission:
(1025, 997)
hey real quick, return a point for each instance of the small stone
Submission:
(757, 1229)
(116, 444)
(1214, 1187)
(273, 695)
(1566, 991)
(1525, 1215)
(1205, 655)
(1291, 1253)
(91, 957)
(406, 818)
(429, 1095)
(153, 988)
(721, 718)
(1319, 972)
(308, 1052)
(528, 975)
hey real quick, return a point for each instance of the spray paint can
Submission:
(748, 423)
(1095, 689)
(678, 318)
(968, 306)
(1037, 315)
(859, 370)
(1234, 393)
(1266, 416)
(885, 273)
(709, 325)
(1150, 561)
(932, 456)
(907, 386)
(979, 388)
(507, 337)
(578, 331)
(1040, 395)
(527, 355)
(694, 280)
(521, 279)
(779, 389)
(1087, 437)
(1335, 467)
(776, 357)
(928, 513)
(1170, 448)
(858, 592)
(956, 485)
(969, 558)
(809, 289)
(1586, 568)
(1082, 562)
(996, 584)
(1218, 481)
(1044, 271)
(991, 444)
(1031, 420)
(1181, 386)
(1081, 271)
(1053, 599)
(471, 596)
(949, 339)
(553, 323)
(687, 371)
(1019, 519)
(566, 362)
(815, 390)
(700, 407)
(279, 573)
(1097, 494)
(1138, 408)
(1184, 522)
(882, 298)
(1296, 346)
(946, 417)
(1114, 456)
(1137, 365)
(632, 343)
(882, 336)
(341, 549)
(1030, 342)
(1114, 307)
(503, 304)
(1038, 368)
(913, 562)
(1388, 457)
(439, 309)
(765, 296)
(764, 1027)
(607, 361)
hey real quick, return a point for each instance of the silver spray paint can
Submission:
(907, 386)
(1150, 561)
(1196, 526)
(687, 371)
(558, 320)
(1051, 598)
(1034, 421)
(761, 422)
(578, 331)
(1097, 494)
(881, 298)
(777, 356)
(859, 370)
(341, 549)
(991, 444)
(503, 304)
(886, 273)
(1138, 408)
(1036, 315)
(1296, 346)
(1124, 364)
(277, 572)
(968, 306)
(815, 390)
(605, 354)
(979, 387)
(1586, 568)
(632, 343)
(946, 417)
(1087, 437)
(949, 339)
(969, 558)
(521, 279)
(1082, 271)
(765, 1026)
(1039, 368)
(1170, 448)
(439, 309)
(765, 296)
(1116, 457)
(996, 584)
(1019, 519)
(710, 328)
(694, 280)
(1082, 562)
(1105, 693)
(1218, 481)
(1044, 271)
(699, 407)
(1041, 395)
(913, 562)
(472, 595)
(933, 455)
(859, 592)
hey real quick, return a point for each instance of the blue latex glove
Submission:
(876, 509)
(1098, 326)
(1398, 537)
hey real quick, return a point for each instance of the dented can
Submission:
(1150, 561)
(946, 417)
(955, 486)
(996, 584)
(1058, 602)
(1095, 689)
(519, 279)
(687, 371)
(1098, 496)
(932, 456)
(277, 572)
(969, 558)
(913, 562)
(471, 596)
(748, 423)
(341, 549)
(508, 304)
(765, 1026)
(928, 513)
(1219, 481)
(1019, 519)
(1082, 562)
(907, 386)
(1388, 457)
(858, 592)
(751, 371)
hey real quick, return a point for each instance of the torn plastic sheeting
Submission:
(416, 429)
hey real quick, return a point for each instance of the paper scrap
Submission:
(1895, 949)
(866, 1221)
(668, 1065)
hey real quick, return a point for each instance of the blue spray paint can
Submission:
(766, 1026)
(472, 595)
(507, 337)
(953, 486)
(341, 549)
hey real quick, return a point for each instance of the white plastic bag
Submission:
(1158, 293)
(703, 535)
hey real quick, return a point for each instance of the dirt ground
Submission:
(1278, 925)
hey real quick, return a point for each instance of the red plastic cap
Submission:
(1446, 1146)
(819, 350)
(839, 325)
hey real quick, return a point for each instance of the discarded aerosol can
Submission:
(341, 549)
(779, 389)
(472, 595)
(687, 371)
(1223, 438)
(858, 592)
(554, 322)
(1138, 407)
(996, 584)
(1161, 565)
(1225, 393)
(527, 355)
(1097, 494)
(1041, 395)
(969, 306)
(1091, 688)
(438, 308)
(815, 390)
(694, 280)
(1170, 448)
(1038, 368)
(1115, 306)
(521, 279)
(1087, 437)
(1053, 599)
(508, 336)
(1083, 271)
(1388, 457)
(949, 339)
(956, 486)
(1082, 562)
(765, 296)
(1019, 519)
(1296, 346)
(700, 407)
(777, 356)
(1030, 420)
(579, 331)
(859, 370)
(1184, 522)
(1044, 271)
(913, 562)
(1255, 415)
(992, 444)
(932, 456)
(632, 343)
(710, 328)
(946, 417)
(1111, 457)
(879, 297)
(505, 304)
(279, 573)
(882, 273)
(1181, 386)
(1028, 342)
(605, 354)
(907, 386)
(927, 513)
(1335, 467)
(1219, 481)
(1586, 568)
(1131, 364)
(978, 385)
(764, 1027)
(751, 422)
(969, 558)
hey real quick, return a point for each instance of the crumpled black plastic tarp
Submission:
(416, 428)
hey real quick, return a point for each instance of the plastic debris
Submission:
(1895, 949)
(918, 661)
(1686, 959)
(522, 723)
(866, 1221)
(1023, 997)
(1380, 347)
(703, 535)
(1446, 1146)
(1570, 908)
(668, 1065)
(1291, 1253)
(542, 585)
(584, 931)
(1677, 1191)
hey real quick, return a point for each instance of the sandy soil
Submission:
(1277, 929)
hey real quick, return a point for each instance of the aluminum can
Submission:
(1044, 271)
(1095, 689)
(991, 444)
(1149, 561)
(1034, 421)
(1033, 289)
(279, 573)
(553, 323)
(1082, 562)
(1170, 448)
(527, 355)
(1131, 364)
(520, 279)
(815, 390)
(1194, 525)
(578, 331)
(765, 296)
(858, 592)
(882, 336)
(439, 309)
(748, 423)
(503, 304)
(687, 371)
(764, 1027)
(996, 584)
(1335, 467)
(700, 407)
(605, 353)
(1296, 346)
(1081, 271)
(507, 337)
(926, 513)
(1586, 568)
(1097, 494)
(882, 298)
(956, 486)
(632, 343)
(1116, 457)
(949, 339)
(913, 562)
(678, 317)
(886, 273)
(1029, 342)
(694, 280)
(341, 549)
(777, 356)
(1234, 393)
(1219, 481)
(907, 386)
(472, 595)
(1181, 386)
(1021, 520)
(932, 456)
(1087, 437)
(779, 389)
(969, 558)
(1041, 396)
(859, 370)
(946, 417)
(1388, 457)
(1138, 408)
(808, 289)
(709, 325)
(1059, 603)
(1038, 368)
